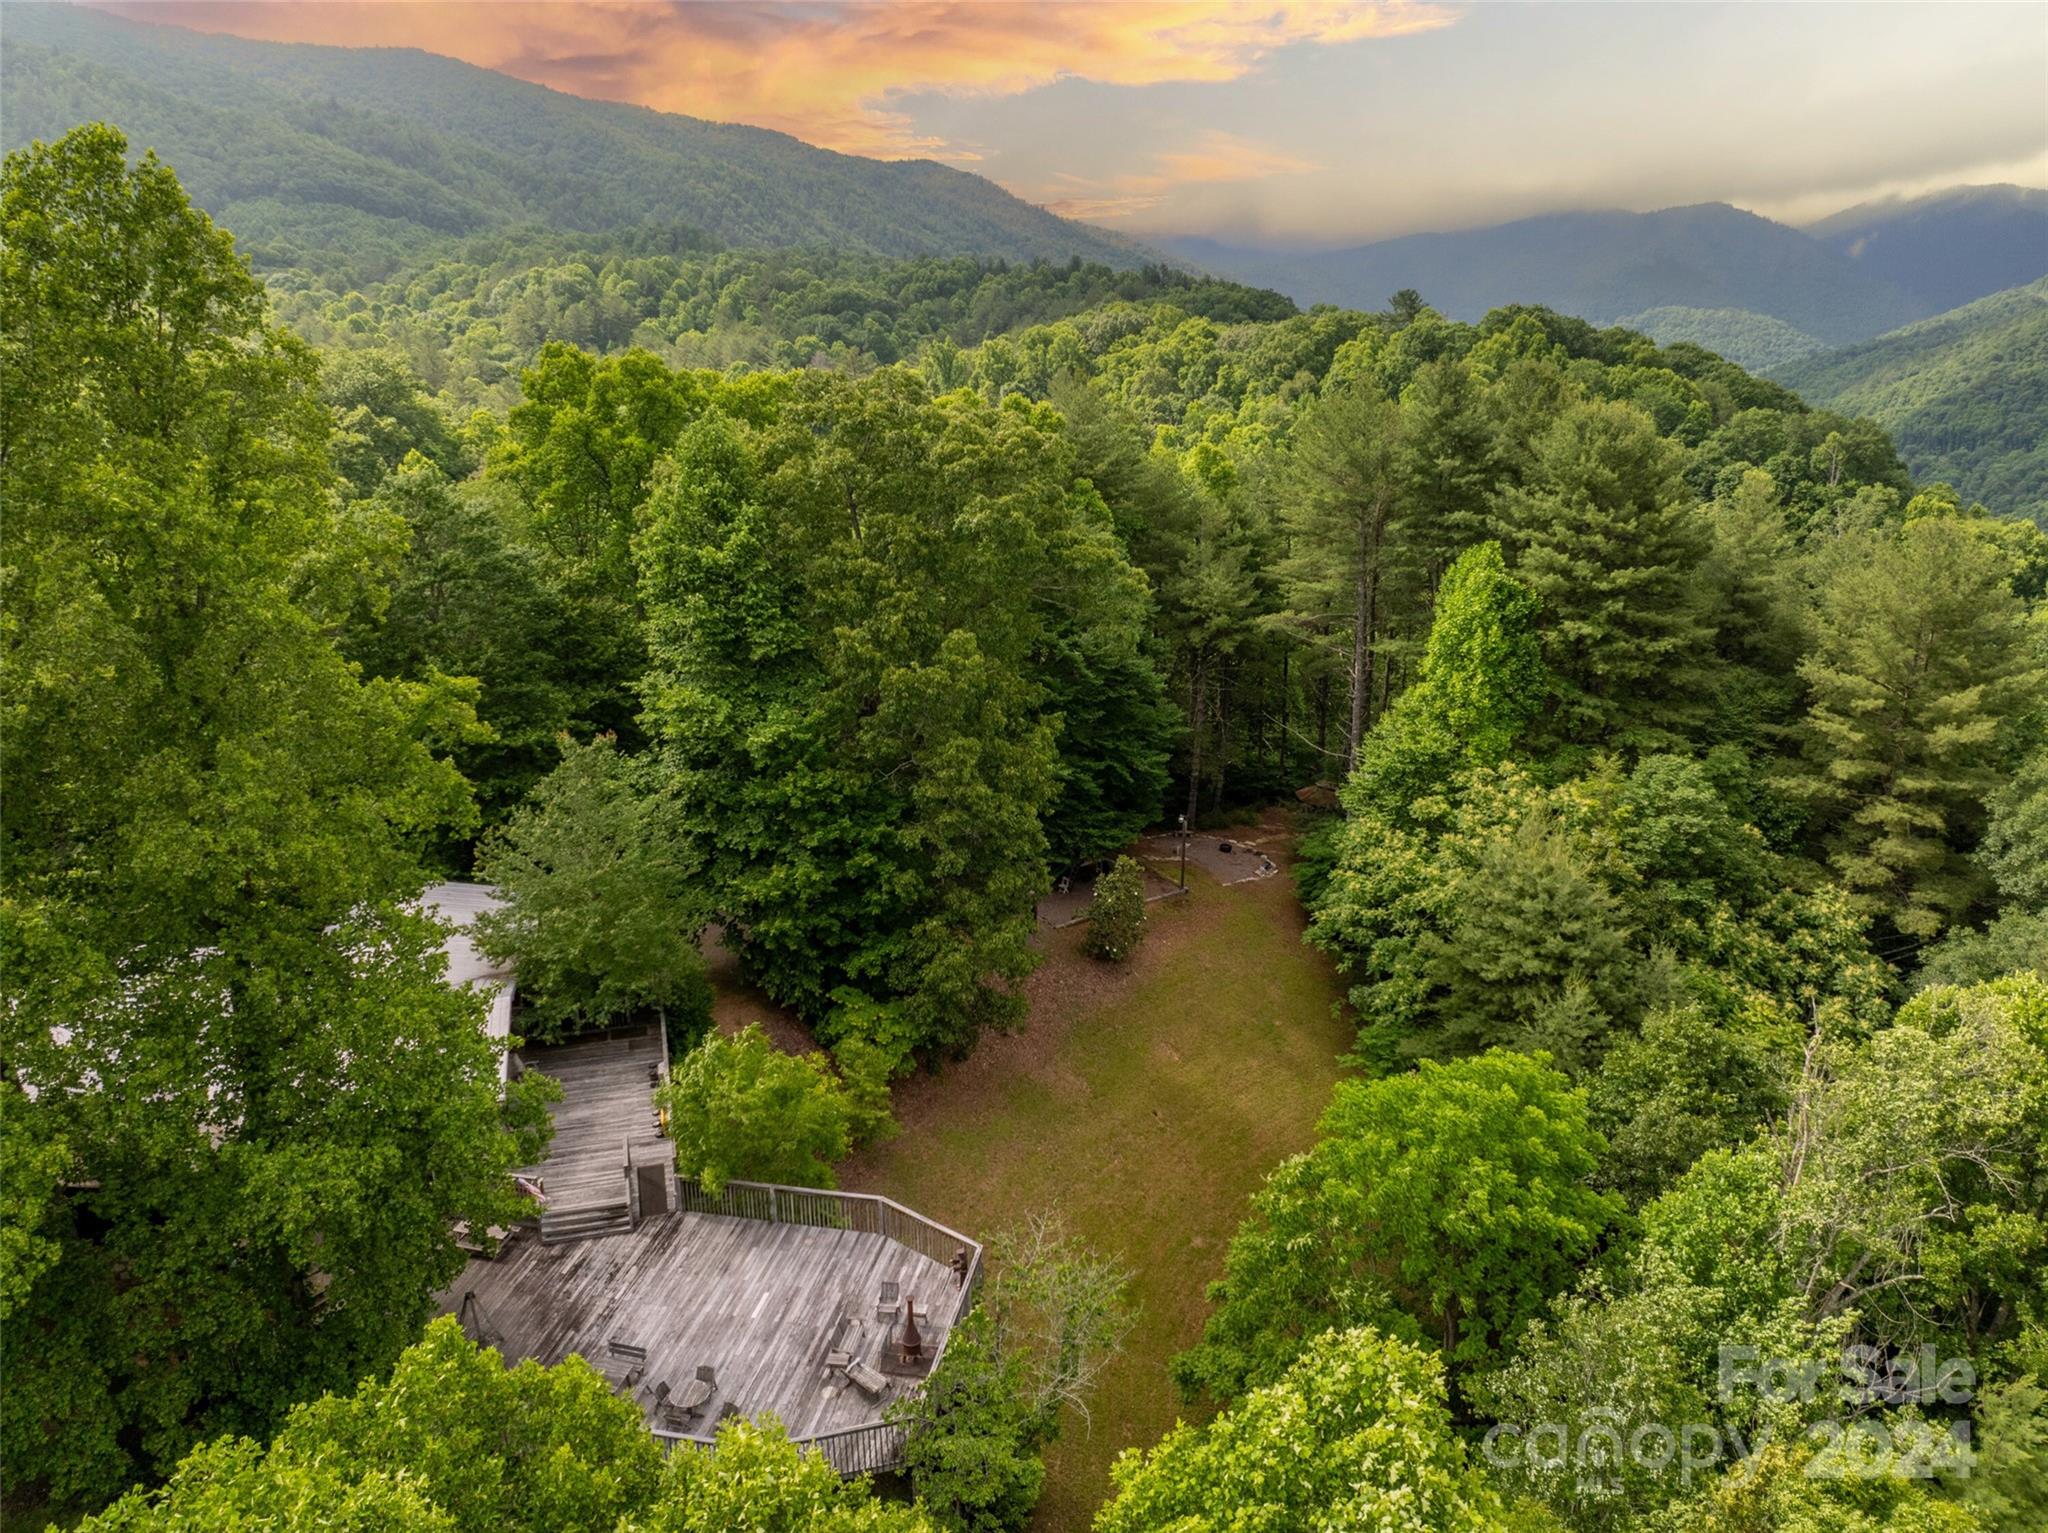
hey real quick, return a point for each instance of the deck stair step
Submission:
(585, 1222)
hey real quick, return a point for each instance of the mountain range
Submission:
(1949, 247)
(364, 160)
(1759, 292)
(360, 164)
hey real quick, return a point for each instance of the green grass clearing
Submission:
(1146, 1103)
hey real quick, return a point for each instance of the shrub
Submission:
(872, 1043)
(741, 1108)
(1116, 915)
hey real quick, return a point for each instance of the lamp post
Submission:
(1183, 851)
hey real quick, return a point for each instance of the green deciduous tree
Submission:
(971, 1437)
(272, 1112)
(470, 599)
(847, 610)
(1480, 683)
(738, 1107)
(1050, 1316)
(601, 910)
(757, 1480)
(382, 414)
(1354, 1434)
(1445, 1205)
(456, 1442)
(1920, 666)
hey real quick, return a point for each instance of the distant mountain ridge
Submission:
(1600, 266)
(370, 156)
(1758, 291)
(1947, 248)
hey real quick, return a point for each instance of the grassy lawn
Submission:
(1145, 1102)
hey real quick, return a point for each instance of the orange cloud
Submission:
(1214, 156)
(831, 73)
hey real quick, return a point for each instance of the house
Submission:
(457, 905)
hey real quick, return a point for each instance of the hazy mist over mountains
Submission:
(1857, 274)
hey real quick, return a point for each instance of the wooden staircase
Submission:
(586, 1221)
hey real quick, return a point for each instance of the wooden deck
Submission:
(757, 1284)
(607, 1099)
(758, 1302)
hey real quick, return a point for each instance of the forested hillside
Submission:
(353, 162)
(1687, 883)
(1965, 395)
(1754, 341)
(470, 322)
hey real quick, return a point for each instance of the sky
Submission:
(1296, 124)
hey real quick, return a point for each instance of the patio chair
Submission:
(667, 1415)
(888, 1306)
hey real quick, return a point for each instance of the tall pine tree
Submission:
(1607, 537)
(1920, 666)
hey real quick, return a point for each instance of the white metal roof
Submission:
(458, 905)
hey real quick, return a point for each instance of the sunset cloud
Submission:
(832, 74)
(1214, 157)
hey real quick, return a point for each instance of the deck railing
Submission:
(866, 1212)
(871, 1446)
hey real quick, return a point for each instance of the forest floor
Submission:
(1145, 1102)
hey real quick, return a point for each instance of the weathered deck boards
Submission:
(758, 1302)
(606, 1099)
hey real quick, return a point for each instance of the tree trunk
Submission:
(1222, 735)
(1198, 676)
(1364, 622)
(1286, 740)
(1362, 619)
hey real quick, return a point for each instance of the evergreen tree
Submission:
(1448, 465)
(1342, 512)
(1606, 536)
(1920, 666)
(2015, 850)
(1751, 584)
(1538, 957)
(1116, 912)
